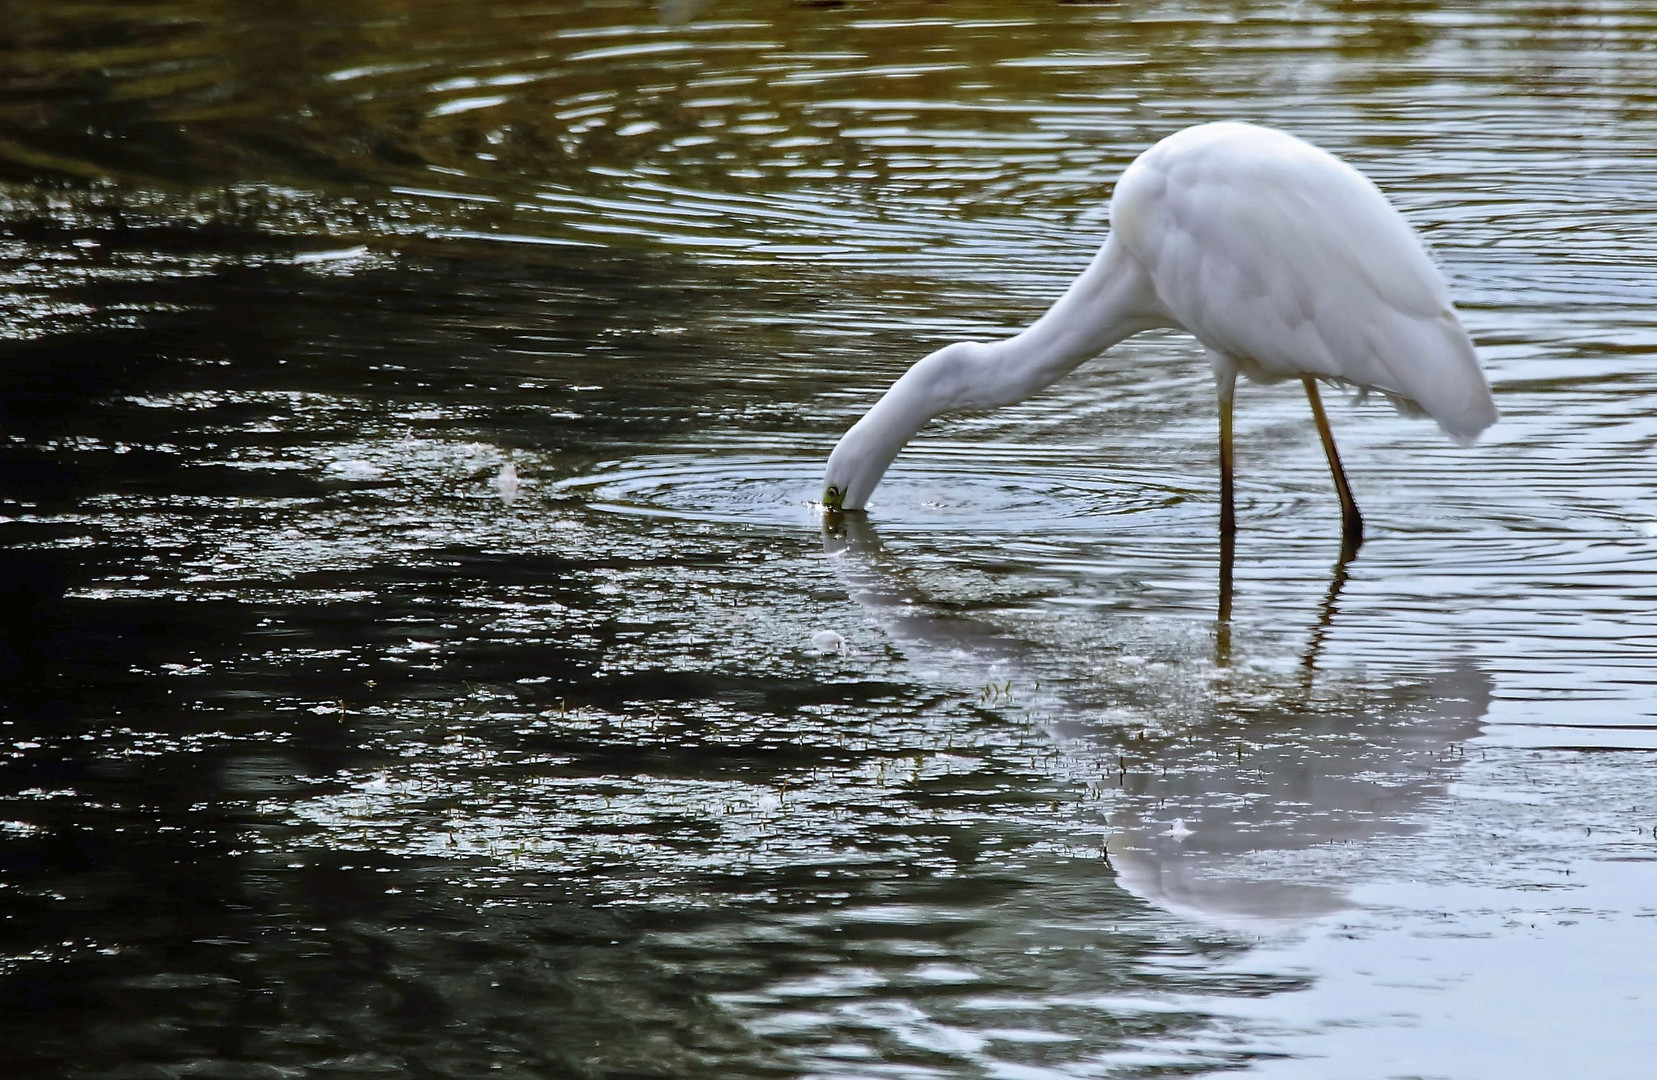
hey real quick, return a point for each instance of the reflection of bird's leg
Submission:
(1326, 613)
(1222, 631)
(1228, 555)
(1352, 523)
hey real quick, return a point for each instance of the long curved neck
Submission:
(1112, 299)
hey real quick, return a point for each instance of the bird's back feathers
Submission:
(1285, 261)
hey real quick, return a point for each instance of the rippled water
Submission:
(414, 655)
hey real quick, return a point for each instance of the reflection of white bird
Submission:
(1178, 830)
(506, 482)
(1282, 260)
(827, 642)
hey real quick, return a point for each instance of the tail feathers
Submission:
(1465, 426)
(1444, 381)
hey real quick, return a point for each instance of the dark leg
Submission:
(1228, 556)
(1225, 385)
(1228, 503)
(1327, 613)
(1352, 522)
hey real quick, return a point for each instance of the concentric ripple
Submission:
(924, 496)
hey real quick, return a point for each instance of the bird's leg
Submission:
(1225, 385)
(1352, 522)
(1228, 503)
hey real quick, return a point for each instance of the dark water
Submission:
(332, 750)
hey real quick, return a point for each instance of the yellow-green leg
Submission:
(1352, 522)
(1228, 512)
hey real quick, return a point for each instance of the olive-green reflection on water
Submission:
(321, 753)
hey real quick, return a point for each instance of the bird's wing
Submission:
(1290, 262)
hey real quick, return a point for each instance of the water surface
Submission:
(331, 747)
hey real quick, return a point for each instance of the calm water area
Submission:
(421, 653)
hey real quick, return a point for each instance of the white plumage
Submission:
(1283, 261)
(1287, 261)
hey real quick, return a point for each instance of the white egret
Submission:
(1282, 260)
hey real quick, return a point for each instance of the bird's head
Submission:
(932, 385)
(841, 487)
(855, 466)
